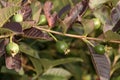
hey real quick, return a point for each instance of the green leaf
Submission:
(28, 50)
(88, 26)
(36, 10)
(5, 31)
(37, 65)
(6, 13)
(27, 24)
(75, 70)
(16, 2)
(50, 63)
(5, 70)
(58, 72)
(110, 35)
(52, 77)
(96, 3)
(102, 13)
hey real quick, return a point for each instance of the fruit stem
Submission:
(11, 37)
(87, 41)
(53, 36)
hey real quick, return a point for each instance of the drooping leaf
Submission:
(6, 13)
(14, 27)
(115, 67)
(101, 64)
(96, 3)
(13, 62)
(110, 35)
(37, 65)
(51, 16)
(75, 70)
(114, 21)
(36, 34)
(77, 10)
(26, 11)
(3, 44)
(28, 50)
(36, 10)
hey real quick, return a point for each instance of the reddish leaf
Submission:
(101, 64)
(14, 26)
(113, 24)
(36, 33)
(2, 46)
(13, 62)
(77, 10)
(51, 18)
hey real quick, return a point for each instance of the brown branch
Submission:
(77, 36)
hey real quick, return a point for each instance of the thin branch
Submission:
(77, 36)
(4, 36)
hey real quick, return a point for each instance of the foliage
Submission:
(71, 21)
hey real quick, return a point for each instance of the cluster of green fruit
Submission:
(61, 46)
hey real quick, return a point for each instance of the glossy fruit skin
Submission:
(12, 48)
(42, 20)
(100, 49)
(97, 23)
(18, 18)
(61, 46)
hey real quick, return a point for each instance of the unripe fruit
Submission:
(97, 23)
(100, 49)
(42, 20)
(18, 18)
(61, 46)
(12, 48)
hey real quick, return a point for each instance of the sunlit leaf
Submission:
(36, 10)
(58, 72)
(110, 35)
(27, 24)
(6, 13)
(96, 3)
(88, 26)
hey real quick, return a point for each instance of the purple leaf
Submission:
(36, 33)
(101, 64)
(14, 26)
(2, 46)
(13, 62)
(76, 11)
(113, 23)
